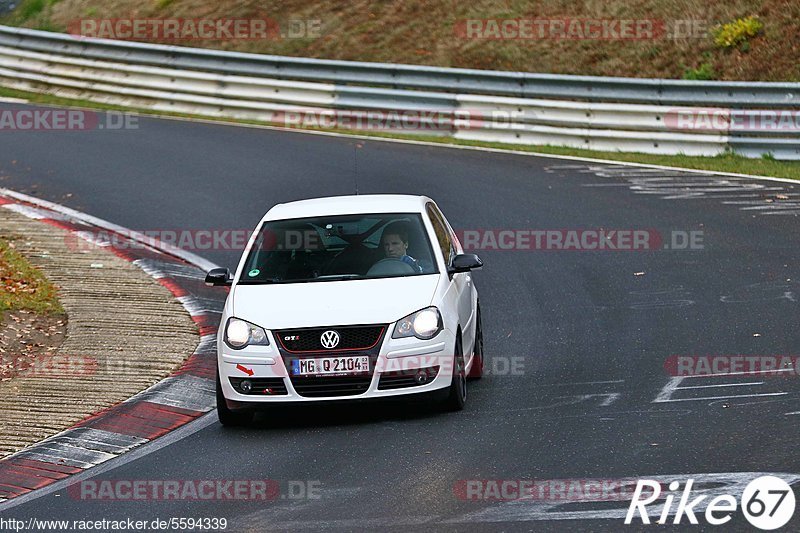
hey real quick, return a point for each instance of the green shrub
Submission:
(36, 12)
(704, 72)
(31, 8)
(736, 32)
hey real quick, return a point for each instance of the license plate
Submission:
(331, 366)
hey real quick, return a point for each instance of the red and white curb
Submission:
(173, 402)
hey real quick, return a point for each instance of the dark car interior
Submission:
(334, 248)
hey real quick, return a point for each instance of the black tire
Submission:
(229, 417)
(476, 371)
(457, 393)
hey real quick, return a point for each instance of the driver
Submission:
(394, 242)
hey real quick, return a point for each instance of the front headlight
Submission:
(424, 324)
(239, 334)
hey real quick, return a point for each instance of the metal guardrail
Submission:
(602, 113)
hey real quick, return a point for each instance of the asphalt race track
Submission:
(587, 333)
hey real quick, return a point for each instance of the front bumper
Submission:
(394, 367)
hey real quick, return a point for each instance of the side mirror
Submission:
(465, 263)
(219, 277)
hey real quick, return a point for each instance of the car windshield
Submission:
(343, 247)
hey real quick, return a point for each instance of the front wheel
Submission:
(457, 393)
(230, 417)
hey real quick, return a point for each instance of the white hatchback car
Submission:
(348, 297)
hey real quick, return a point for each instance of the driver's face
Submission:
(393, 246)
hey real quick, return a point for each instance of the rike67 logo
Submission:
(767, 502)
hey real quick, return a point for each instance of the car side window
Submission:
(453, 237)
(442, 233)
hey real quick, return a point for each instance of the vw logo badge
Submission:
(329, 339)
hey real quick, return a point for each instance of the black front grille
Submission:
(305, 344)
(261, 386)
(315, 387)
(350, 338)
(406, 378)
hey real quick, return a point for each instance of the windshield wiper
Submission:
(334, 277)
(264, 281)
(270, 281)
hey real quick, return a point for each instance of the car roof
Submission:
(346, 205)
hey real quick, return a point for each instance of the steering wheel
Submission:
(390, 266)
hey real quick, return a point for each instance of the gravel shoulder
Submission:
(125, 332)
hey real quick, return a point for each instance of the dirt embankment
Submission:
(643, 38)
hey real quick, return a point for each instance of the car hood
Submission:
(323, 303)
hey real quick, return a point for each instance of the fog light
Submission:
(421, 377)
(246, 386)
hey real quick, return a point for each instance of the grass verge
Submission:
(726, 162)
(22, 286)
